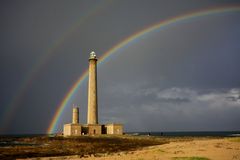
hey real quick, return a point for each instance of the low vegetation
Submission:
(190, 158)
(234, 139)
(12, 148)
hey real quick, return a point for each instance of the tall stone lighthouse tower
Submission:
(92, 90)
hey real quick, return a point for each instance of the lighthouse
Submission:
(92, 117)
(92, 127)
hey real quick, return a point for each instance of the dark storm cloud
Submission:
(177, 78)
(203, 111)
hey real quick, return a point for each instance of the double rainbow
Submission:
(160, 25)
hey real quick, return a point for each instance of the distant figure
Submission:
(149, 134)
(161, 133)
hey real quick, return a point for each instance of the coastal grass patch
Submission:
(190, 158)
(234, 139)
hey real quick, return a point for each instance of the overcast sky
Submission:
(184, 77)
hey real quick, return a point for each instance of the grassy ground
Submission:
(234, 139)
(12, 148)
(190, 158)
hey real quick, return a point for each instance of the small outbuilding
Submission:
(72, 129)
(114, 128)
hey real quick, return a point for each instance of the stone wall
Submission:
(94, 129)
(114, 129)
(72, 130)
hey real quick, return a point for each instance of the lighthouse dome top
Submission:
(93, 55)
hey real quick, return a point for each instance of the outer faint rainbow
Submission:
(131, 38)
(32, 74)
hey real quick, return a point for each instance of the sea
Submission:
(164, 133)
(190, 133)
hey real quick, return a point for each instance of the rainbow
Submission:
(126, 41)
(39, 65)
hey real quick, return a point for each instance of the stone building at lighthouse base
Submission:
(72, 129)
(77, 129)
